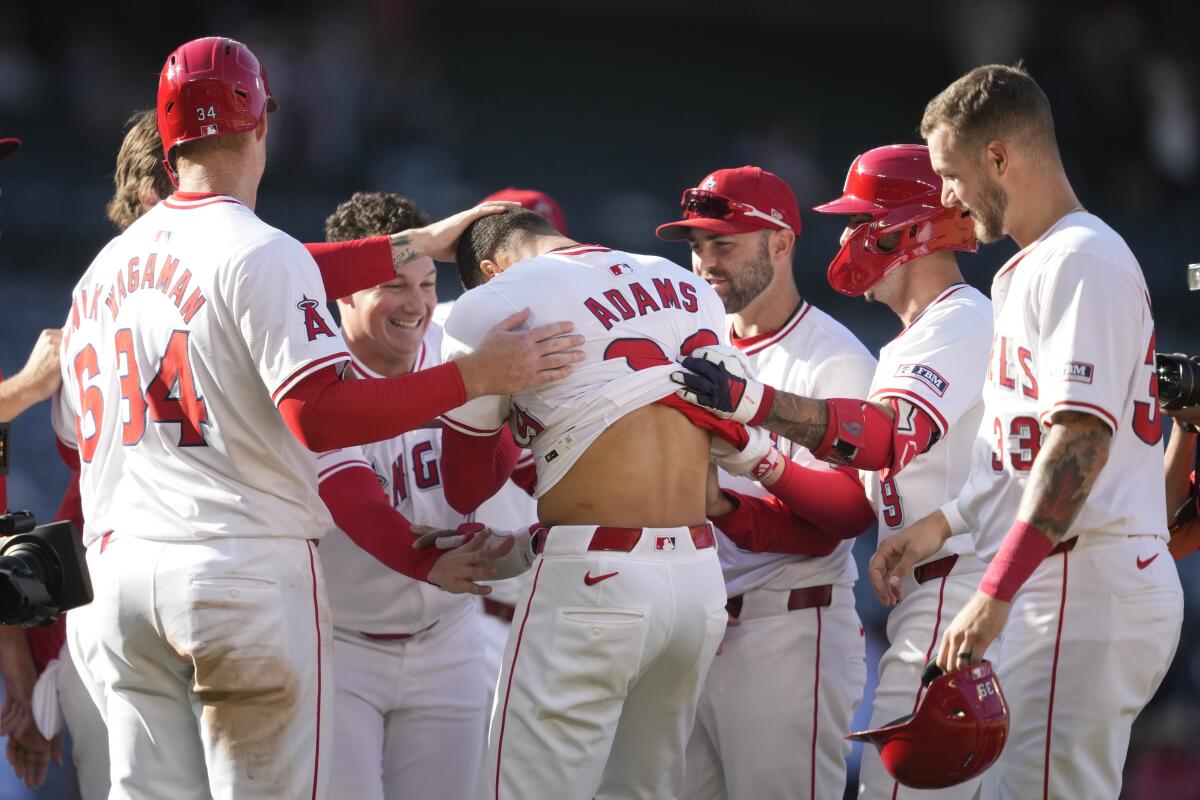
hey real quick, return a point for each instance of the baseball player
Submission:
(626, 605)
(1065, 490)
(899, 249)
(778, 701)
(410, 703)
(513, 506)
(207, 646)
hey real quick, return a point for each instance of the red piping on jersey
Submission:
(191, 199)
(762, 341)
(812, 772)
(340, 464)
(946, 294)
(579, 249)
(312, 567)
(1091, 406)
(917, 400)
(512, 670)
(311, 366)
(469, 430)
(1062, 609)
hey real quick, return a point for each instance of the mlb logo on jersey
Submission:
(620, 269)
(664, 543)
(927, 375)
(162, 236)
(1078, 372)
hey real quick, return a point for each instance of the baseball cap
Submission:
(739, 200)
(8, 146)
(539, 203)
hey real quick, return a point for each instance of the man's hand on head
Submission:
(437, 240)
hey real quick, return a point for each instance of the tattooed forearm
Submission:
(403, 251)
(1070, 460)
(798, 419)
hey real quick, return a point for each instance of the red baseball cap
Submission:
(739, 200)
(8, 146)
(539, 203)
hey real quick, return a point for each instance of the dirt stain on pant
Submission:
(250, 699)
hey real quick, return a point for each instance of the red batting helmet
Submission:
(210, 87)
(536, 201)
(958, 731)
(897, 187)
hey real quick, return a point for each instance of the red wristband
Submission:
(1025, 547)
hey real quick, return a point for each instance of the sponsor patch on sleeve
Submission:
(1078, 372)
(927, 375)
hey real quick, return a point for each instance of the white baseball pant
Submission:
(778, 701)
(211, 663)
(604, 664)
(914, 629)
(89, 736)
(1089, 639)
(411, 715)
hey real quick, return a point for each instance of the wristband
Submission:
(1025, 546)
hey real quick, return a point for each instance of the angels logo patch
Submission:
(314, 324)
(927, 375)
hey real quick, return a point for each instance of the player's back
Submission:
(619, 460)
(182, 335)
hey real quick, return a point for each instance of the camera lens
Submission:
(1178, 381)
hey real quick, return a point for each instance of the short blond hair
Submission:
(139, 170)
(995, 101)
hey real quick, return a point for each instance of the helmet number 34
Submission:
(203, 113)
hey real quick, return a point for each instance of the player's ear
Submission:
(260, 130)
(490, 268)
(996, 158)
(781, 244)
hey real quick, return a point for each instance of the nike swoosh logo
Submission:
(590, 581)
(1143, 564)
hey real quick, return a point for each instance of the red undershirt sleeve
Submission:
(326, 413)
(832, 499)
(349, 267)
(475, 467)
(766, 525)
(361, 510)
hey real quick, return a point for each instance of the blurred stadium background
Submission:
(614, 108)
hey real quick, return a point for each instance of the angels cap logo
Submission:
(314, 324)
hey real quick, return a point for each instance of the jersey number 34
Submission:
(170, 396)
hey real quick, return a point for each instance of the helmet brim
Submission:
(850, 204)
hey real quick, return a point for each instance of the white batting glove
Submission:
(755, 460)
(515, 562)
(720, 380)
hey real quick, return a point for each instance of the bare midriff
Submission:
(647, 470)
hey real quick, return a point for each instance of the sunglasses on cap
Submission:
(703, 203)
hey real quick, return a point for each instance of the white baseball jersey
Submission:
(937, 364)
(1073, 331)
(183, 334)
(637, 314)
(367, 596)
(812, 355)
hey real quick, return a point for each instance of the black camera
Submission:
(42, 570)
(1178, 380)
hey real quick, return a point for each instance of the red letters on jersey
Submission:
(314, 324)
(615, 305)
(171, 395)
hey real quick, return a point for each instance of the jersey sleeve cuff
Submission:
(954, 518)
(303, 371)
(918, 401)
(326, 473)
(1082, 407)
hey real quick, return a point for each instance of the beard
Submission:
(747, 280)
(987, 213)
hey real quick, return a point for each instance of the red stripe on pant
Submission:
(512, 670)
(312, 566)
(1062, 608)
(812, 774)
(937, 626)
